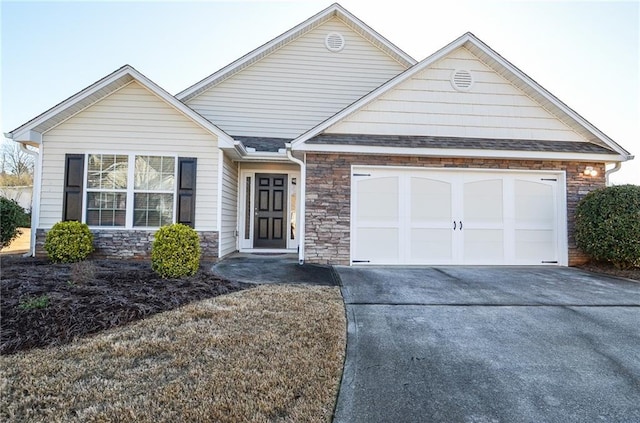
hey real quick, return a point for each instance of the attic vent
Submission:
(461, 80)
(334, 41)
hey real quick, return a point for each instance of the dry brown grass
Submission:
(273, 353)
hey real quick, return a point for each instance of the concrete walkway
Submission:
(273, 268)
(489, 344)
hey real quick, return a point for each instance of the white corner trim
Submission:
(219, 197)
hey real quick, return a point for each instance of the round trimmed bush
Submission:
(608, 225)
(12, 217)
(175, 251)
(68, 242)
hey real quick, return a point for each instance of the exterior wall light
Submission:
(590, 171)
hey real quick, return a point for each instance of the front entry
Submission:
(270, 228)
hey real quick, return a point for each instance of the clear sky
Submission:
(586, 53)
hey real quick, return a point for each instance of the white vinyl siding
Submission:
(298, 86)
(131, 120)
(228, 223)
(427, 104)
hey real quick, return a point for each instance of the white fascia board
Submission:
(354, 107)
(344, 13)
(263, 156)
(544, 93)
(72, 100)
(461, 153)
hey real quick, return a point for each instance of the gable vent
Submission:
(462, 80)
(334, 41)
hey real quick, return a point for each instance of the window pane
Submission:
(106, 208)
(153, 209)
(154, 173)
(107, 171)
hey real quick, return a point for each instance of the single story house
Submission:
(331, 142)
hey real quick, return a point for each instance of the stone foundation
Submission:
(328, 201)
(131, 244)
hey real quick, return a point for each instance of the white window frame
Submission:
(130, 191)
(88, 190)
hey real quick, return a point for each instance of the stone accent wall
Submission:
(131, 244)
(328, 202)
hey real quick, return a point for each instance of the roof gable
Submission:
(333, 11)
(479, 103)
(468, 47)
(32, 131)
(297, 86)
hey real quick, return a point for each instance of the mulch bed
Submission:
(610, 269)
(88, 297)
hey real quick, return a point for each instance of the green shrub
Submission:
(12, 217)
(68, 242)
(25, 220)
(608, 225)
(175, 251)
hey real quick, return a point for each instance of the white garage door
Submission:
(417, 216)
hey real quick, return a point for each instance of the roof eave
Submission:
(461, 153)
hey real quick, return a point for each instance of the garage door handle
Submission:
(454, 225)
(461, 225)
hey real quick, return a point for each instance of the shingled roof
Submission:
(412, 141)
(264, 144)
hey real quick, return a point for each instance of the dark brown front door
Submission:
(270, 229)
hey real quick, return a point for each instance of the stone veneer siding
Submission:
(131, 244)
(328, 200)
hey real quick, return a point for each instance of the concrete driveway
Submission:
(489, 344)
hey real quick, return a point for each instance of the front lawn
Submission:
(44, 304)
(270, 353)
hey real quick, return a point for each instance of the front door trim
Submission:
(246, 230)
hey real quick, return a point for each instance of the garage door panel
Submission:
(483, 201)
(483, 246)
(534, 203)
(378, 245)
(377, 199)
(430, 200)
(535, 246)
(430, 246)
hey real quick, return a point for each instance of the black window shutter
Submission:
(73, 184)
(187, 191)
